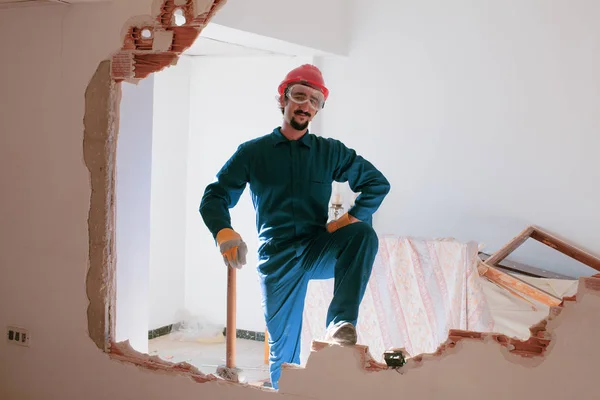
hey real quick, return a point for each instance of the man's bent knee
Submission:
(364, 231)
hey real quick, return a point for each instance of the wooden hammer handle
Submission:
(231, 311)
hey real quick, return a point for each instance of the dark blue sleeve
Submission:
(225, 191)
(363, 178)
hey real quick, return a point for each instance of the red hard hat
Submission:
(308, 74)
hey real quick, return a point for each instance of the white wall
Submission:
(485, 119)
(300, 23)
(133, 187)
(169, 190)
(193, 118)
(233, 100)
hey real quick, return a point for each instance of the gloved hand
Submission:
(233, 248)
(342, 221)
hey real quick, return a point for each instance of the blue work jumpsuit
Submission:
(291, 184)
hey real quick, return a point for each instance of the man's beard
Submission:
(298, 126)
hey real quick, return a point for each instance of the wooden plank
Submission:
(507, 265)
(513, 283)
(510, 246)
(231, 318)
(549, 240)
(566, 248)
(267, 348)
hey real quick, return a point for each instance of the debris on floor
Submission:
(208, 356)
(195, 328)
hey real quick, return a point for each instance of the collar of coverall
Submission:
(278, 138)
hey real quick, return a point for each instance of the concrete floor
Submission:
(208, 356)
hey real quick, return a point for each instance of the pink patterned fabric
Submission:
(418, 291)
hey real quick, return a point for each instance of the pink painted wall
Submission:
(48, 56)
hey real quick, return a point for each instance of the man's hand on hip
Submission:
(342, 221)
(233, 248)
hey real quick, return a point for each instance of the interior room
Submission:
(181, 282)
(117, 114)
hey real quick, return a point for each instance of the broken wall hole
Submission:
(179, 17)
(146, 34)
(150, 46)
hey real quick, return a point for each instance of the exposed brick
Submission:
(183, 37)
(122, 65)
(139, 56)
(535, 345)
(165, 17)
(539, 328)
(566, 299)
(145, 64)
(460, 334)
(592, 283)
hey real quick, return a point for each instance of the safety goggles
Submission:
(301, 94)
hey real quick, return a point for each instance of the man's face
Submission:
(301, 105)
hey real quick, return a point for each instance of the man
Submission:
(290, 172)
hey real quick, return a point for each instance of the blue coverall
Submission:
(290, 184)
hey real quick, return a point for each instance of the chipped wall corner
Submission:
(150, 44)
(101, 119)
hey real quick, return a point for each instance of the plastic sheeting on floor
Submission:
(422, 288)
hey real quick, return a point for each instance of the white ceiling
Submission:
(219, 40)
(204, 46)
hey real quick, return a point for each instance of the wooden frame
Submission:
(509, 266)
(550, 241)
(488, 268)
(514, 284)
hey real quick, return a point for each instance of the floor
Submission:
(207, 356)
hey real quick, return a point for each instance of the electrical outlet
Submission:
(18, 336)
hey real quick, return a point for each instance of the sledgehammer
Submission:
(229, 370)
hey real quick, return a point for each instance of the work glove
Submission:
(233, 248)
(342, 221)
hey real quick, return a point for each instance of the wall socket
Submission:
(18, 336)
